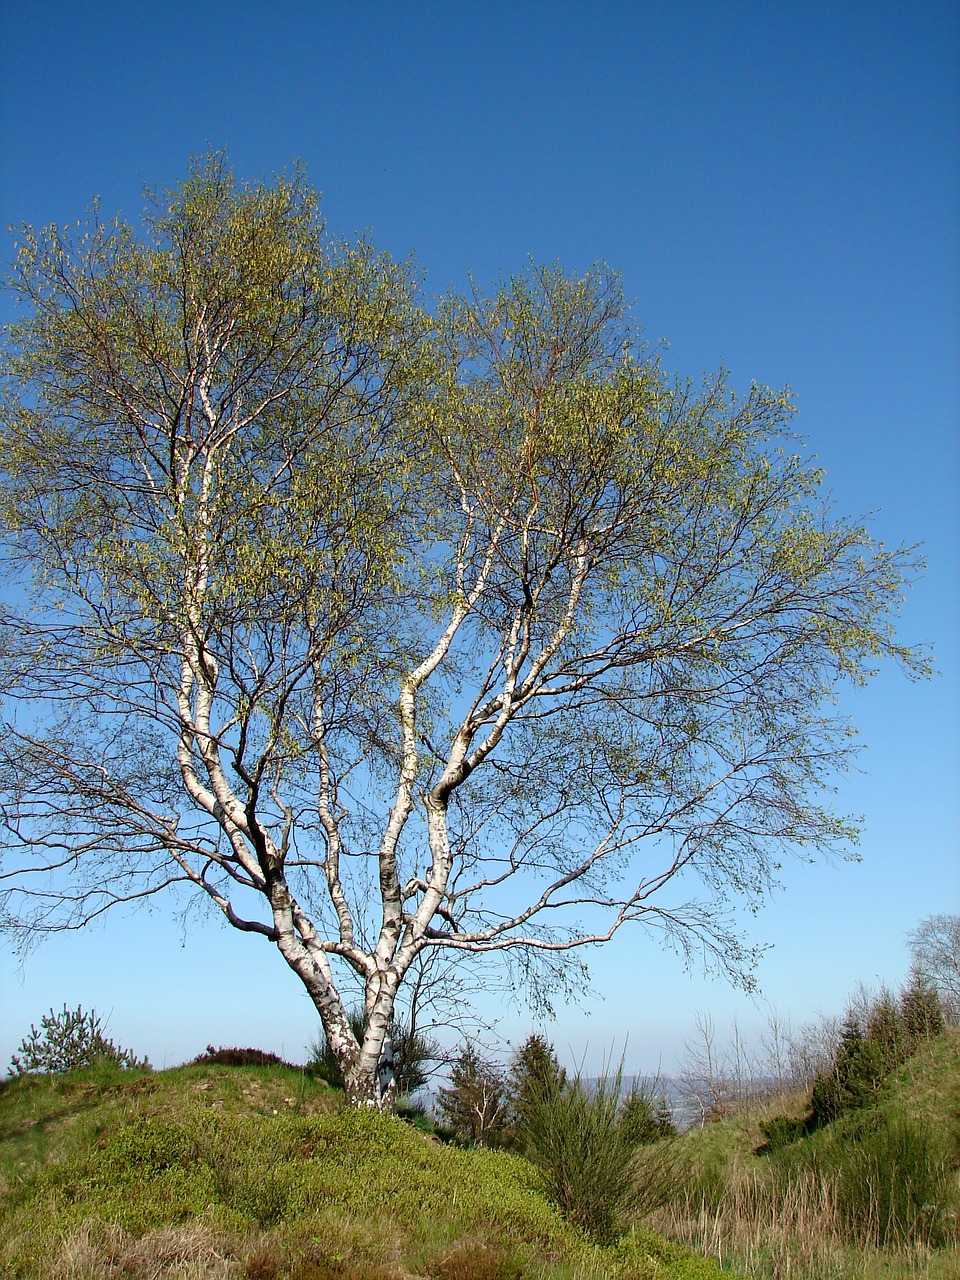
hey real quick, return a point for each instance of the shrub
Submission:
(592, 1153)
(643, 1254)
(877, 1036)
(534, 1068)
(411, 1053)
(416, 1115)
(322, 1063)
(474, 1107)
(922, 1011)
(477, 1260)
(68, 1041)
(238, 1058)
(781, 1131)
(646, 1116)
(896, 1184)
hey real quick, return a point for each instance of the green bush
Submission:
(148, 1148)
(922, 1011)
(897, 1186)
(646, 1116)
(69, 1041)
(781, 1131)
(876, 1038)
(643, 1254)
(593, 1155)
(534, 1067)
(411, 1054)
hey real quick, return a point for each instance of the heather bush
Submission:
(232, 1057)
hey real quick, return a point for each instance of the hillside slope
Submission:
(874, 1194)
(258, 1172)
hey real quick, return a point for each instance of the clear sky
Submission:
(779, 185)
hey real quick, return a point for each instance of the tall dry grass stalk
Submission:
(792, 1231)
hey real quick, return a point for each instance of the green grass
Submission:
(210, 1171)
(873, 1196)
(260, 1172)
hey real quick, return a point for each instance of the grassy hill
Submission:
(212, 1171)
(876, 1194)
(259, 1172)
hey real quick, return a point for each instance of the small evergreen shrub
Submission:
(68, 1041)
(922, 1012)
(875, 1039)
(474, 1108)
(534, 1068)
(646, 1117)
(780, 1132)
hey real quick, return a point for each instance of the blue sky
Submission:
(780, 187)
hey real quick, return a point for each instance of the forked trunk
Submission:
(369, 1084)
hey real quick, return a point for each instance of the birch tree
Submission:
(395, 631)
(935, 950)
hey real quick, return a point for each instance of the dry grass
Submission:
(790, 1216)
(798, 1235)
(189, 1251)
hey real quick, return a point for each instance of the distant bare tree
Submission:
(811, 1050)
(775, 1049)
(722, 1076)
(935, 944)
(716, 1079)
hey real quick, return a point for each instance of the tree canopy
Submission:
(393, 629)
